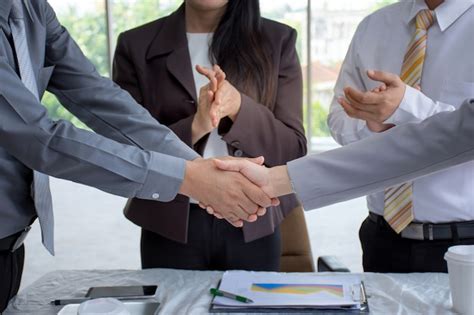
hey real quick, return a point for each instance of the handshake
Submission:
(235, 189)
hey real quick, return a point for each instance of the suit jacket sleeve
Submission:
(125, 75)
(279, 134)
(100, 103)
(385, 160)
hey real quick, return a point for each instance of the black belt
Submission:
(429, 231)
(13, 242)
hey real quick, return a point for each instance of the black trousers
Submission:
(385, 251)
(213, 244)
(11, 269)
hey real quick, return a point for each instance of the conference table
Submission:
(187, 292)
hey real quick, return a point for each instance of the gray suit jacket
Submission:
(384, 160)
(130, 154)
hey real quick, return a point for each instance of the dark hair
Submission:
(240, 48)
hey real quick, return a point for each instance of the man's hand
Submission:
(257, 174)
(235, 197)
(274, 181)
(377, 105)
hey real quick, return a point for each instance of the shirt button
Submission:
(238, 153)
(155, 196)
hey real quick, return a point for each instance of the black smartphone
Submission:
(139, 291)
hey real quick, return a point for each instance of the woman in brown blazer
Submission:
(156, 63)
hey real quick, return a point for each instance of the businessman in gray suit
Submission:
(130, 154)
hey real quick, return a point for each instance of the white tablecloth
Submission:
(186, 292)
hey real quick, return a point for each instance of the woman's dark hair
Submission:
(240, 48)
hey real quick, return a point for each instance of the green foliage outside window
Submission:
(319, 115)
(90, 32)
(129, 14)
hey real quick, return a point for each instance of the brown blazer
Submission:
(152, 62)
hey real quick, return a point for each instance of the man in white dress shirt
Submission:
(429, 44)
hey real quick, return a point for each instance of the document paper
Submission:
(271, 289)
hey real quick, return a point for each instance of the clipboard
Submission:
(364, 307)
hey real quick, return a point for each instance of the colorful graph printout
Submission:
(283, 288)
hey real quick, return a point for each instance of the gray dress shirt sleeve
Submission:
(59, 149)
(383, 160)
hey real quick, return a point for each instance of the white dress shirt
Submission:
(198, 45)
(380, 43)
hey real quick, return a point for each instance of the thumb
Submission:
(385, 77)
(229, 165)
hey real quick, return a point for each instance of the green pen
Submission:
(228, 295)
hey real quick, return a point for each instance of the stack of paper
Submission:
(280, 290)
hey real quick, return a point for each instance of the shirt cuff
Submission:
(164, 178)
(399, 115)
(416, 107)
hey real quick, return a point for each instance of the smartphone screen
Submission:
(125, 291)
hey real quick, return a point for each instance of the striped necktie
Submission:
(40, 189)
(398, 210)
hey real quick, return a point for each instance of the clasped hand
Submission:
(235, 197)
(217, 99)
(377, 105)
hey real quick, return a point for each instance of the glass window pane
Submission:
(294, 14)
(127, 14)
(333, 25)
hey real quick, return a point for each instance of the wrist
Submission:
(188, 185)
(199, 129)
(378, 127)
(185, 188)
(238, 98)
(280, 183)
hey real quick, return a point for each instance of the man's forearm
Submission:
(384, 160)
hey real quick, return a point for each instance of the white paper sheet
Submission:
(270, 289)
